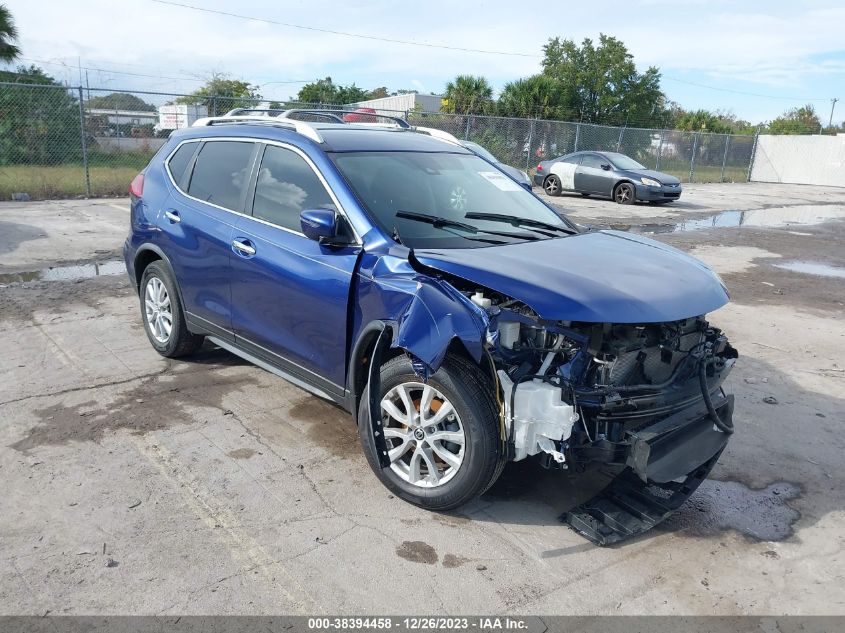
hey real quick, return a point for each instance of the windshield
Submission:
(475, 147)
(400, 188)
(620, 161)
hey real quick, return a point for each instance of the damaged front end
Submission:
(592, 368)
(644, 399)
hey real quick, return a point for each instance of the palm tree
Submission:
(468, 94)
(8, 34)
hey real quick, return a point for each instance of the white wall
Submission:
(115, 145)
(805, 160)
(399, 104)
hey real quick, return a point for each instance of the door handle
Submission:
(244, 247)
(173, 216)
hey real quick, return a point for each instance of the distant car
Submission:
(517, 174)
(606, 174)
(361, 115)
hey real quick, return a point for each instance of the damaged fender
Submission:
(426, 313)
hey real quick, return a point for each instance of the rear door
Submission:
(198, 224)
(290, 295)
(591, 178)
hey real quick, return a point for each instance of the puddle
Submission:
(814, 268)
(66, 273)
(716, 506)
(775, 217)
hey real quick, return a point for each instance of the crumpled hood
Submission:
(665, 179)
(598, 277)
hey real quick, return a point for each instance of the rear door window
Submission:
(286, 185)
(221, 173)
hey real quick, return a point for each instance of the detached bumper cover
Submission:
(667, 462)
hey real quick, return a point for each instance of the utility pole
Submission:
(832, 106)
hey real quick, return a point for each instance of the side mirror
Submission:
(605, 166)
(526, 185)
(319, 225)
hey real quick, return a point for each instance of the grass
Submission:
(108, 178)
(111, 174)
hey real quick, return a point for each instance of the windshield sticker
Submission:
(500, 180)
(566, 173)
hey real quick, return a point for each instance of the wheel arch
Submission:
(364, 354)
(146, 255)
(626, 179)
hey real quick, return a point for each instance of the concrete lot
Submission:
(134, 484)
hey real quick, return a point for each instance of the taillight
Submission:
(136, 189)
(540, 167)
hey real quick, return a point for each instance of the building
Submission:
(178, 116)
(401, 104)
(123, 117)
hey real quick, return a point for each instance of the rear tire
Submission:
(162, 315)
(624, 193)
(552, 186)
(472, 454)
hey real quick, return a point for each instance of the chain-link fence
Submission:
(691, 156)
(57, 141)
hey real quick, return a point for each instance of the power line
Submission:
(743, 92)
(130, 74)
(346, 33)
(106, 70)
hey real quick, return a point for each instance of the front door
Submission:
(591, 178)
(290, 294)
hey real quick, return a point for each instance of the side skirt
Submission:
(237, 351)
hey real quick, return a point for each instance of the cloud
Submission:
(780, 44)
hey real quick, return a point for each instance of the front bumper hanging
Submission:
(667, 462)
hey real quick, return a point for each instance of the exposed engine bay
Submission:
(643, 396)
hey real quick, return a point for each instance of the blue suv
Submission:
(461, 321)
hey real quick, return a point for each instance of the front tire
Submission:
(552, 186)
(624, 193)
(161, 311)
(442, 436)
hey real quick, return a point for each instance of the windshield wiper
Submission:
(440, 222)
(515, 220)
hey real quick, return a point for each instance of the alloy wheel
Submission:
(624, 194)
(158, 310)
(424, 435)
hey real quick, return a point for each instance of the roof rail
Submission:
(439, 134)
(300, 127)
(337, 115)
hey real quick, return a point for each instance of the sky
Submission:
(755, 59)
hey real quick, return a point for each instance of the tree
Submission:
(320, 91)
(119, 101)
(379, 93)
(351, 94)
(468, 94)
(8, 34)
(802, 120)
(536, 96)
(221, 94)
(326, 91)
(37, 125)
(603, 81)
